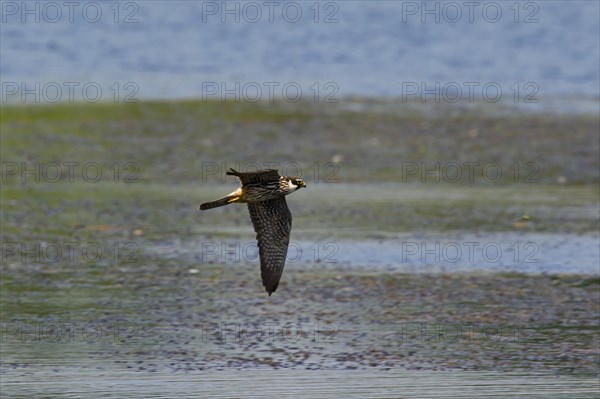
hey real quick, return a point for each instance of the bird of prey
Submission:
(264, 191)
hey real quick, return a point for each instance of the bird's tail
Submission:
(220, 202)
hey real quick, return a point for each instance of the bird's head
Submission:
(299, 182)
(294, 183)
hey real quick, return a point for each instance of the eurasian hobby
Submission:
(264, 191)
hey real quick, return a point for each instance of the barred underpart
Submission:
(265, 192)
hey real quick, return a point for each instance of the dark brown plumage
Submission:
(272, 222)
(264, 192)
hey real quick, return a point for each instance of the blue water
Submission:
(412, 253)
(160, 49)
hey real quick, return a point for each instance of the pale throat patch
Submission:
(292, 186)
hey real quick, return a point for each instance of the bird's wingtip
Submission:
(272, 289)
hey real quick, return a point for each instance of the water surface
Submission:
(296, 384)
(170, 49)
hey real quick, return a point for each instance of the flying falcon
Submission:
(264, 191)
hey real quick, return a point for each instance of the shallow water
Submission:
(293, 384)
(423, 253)
(365, 238)
(171, 293)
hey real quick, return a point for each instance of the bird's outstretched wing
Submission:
(272, 222)
(256, 177)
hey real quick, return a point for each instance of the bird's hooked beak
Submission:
(301, 184)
